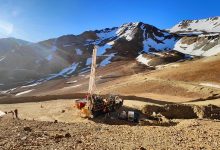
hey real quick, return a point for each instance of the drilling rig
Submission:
(95, 104)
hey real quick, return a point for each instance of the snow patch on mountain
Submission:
(74, 86)
(213, 51)
(2, 58)
(24, 92)
(166, 44)
(31, 85)
(49, 57)
(207, 25)
(70, 69)
(54, 47)
(106, 34)
(67, 45)
(107, 61)
(71, 82)
(127, 31)
(84, 70)
(102, 49)
(89, 61)
(145, 45)
(163, 44)
(143, 60)
(67, 71)
(193, 49)
(79, 51)
(8, 91)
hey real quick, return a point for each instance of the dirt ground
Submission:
(36, 130)
(52, 110)
(187, 134)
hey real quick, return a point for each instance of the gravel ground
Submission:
(187, 134)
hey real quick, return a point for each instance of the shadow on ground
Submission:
(114, 120)
(144, 99)
(13, 100)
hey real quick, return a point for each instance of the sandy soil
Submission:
(52, 110)
(206, 102)
(187, 134)
(74, 132)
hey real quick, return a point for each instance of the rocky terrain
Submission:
(188, 134)
(207, 25)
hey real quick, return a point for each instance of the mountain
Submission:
(22, 61)
(198, 37)
(7, 44)
(209, 25)
(115, 44)
(26, 63)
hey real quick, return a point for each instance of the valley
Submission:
(144, 65)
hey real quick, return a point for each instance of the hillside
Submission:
(69, 56)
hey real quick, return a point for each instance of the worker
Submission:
(16, 113)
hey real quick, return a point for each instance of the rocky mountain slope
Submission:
(198, 37)
(22, 61)
(208, 25)
(25, 63)
(71, 54)
(199, 45)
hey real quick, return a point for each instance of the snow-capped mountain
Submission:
(118, 43)
(71, 54)
(24, 63)
(208, 25)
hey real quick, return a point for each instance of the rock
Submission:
(67, 135)
(63, 111)
(24, 138)
(142, 148)
(28, 129)
(55, 121)
(58, 136)
(78, 141)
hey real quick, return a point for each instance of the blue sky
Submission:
(36, 20)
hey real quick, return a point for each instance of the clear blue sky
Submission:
(37, 20)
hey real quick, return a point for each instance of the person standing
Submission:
(16, 113)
